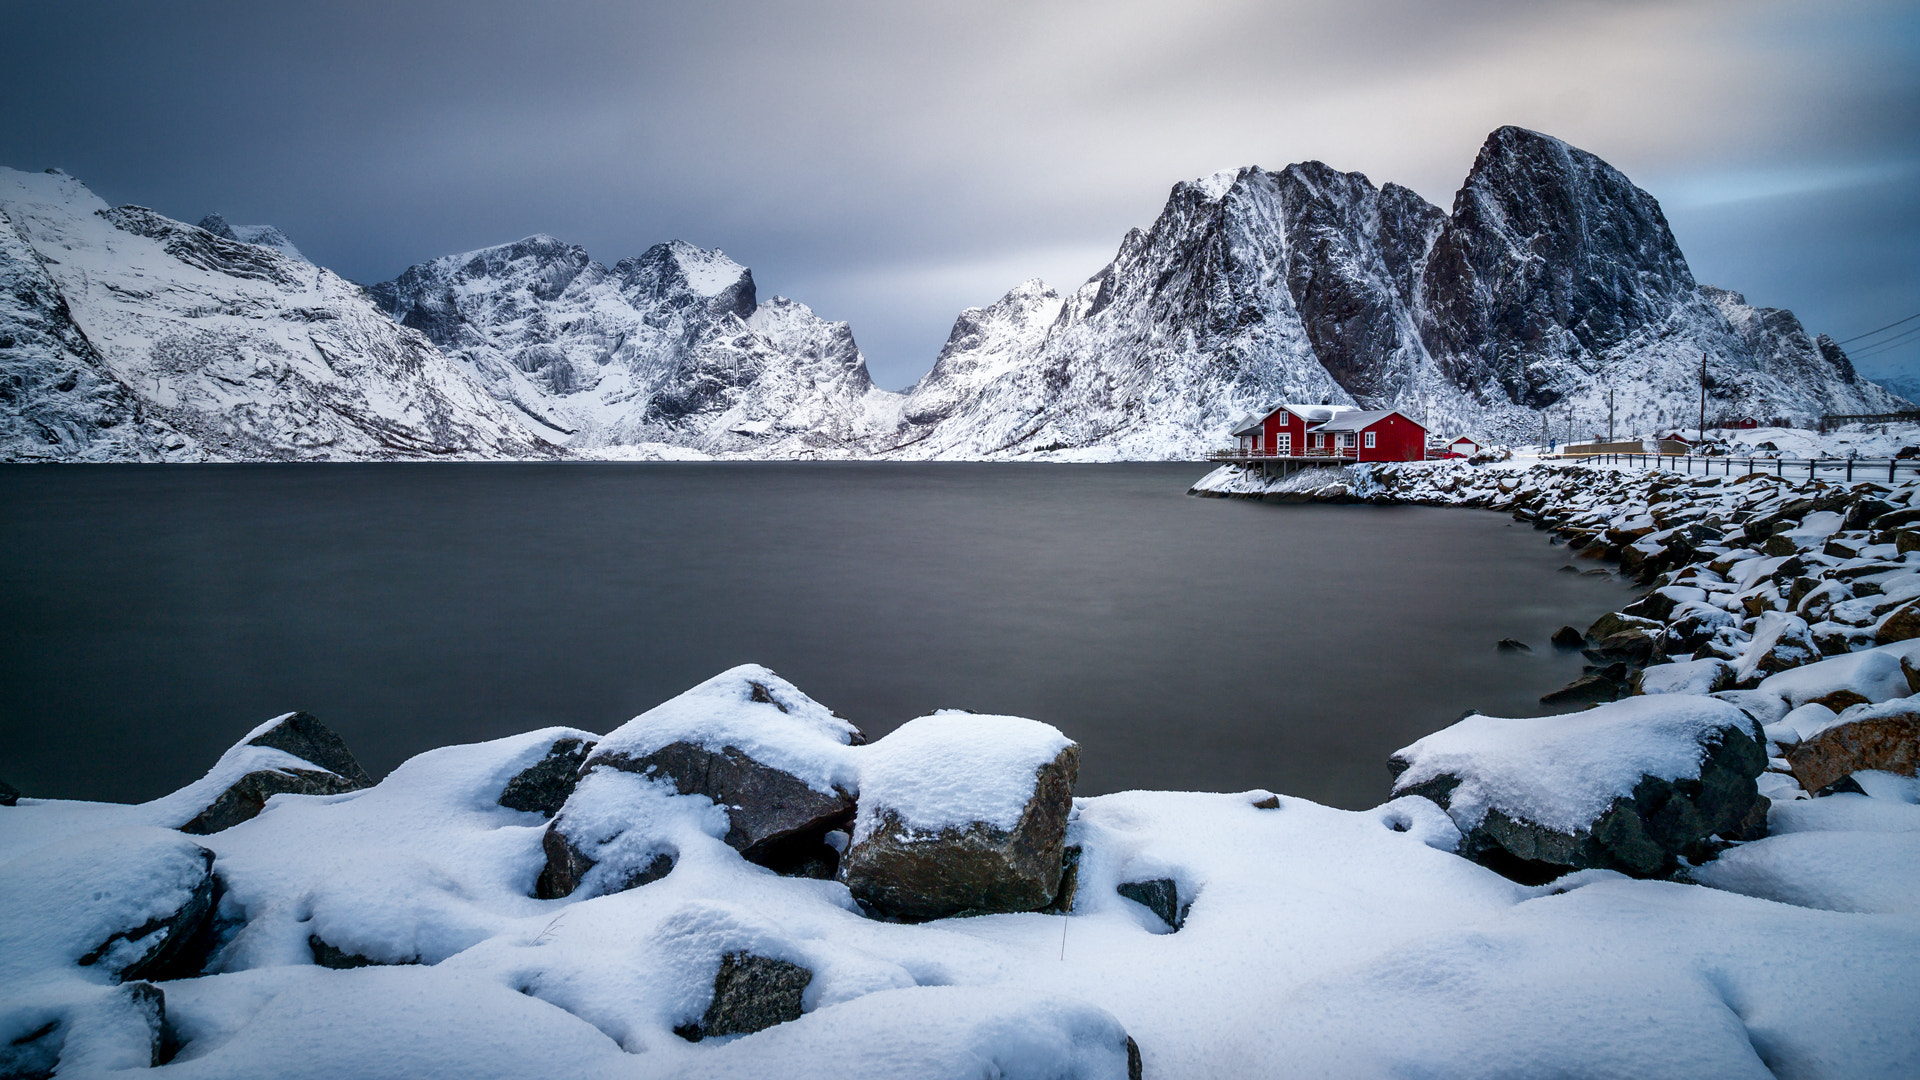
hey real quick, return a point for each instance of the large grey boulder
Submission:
(749, 741)
(312, 760)
(962, 814)
(1632, 786)
(750, 993)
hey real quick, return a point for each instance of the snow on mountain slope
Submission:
(1554, 281)
(163, 340)
(671, 347)
(263, 235)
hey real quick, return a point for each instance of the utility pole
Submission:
(1703, 395)
(1609, 414)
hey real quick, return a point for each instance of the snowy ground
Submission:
(1320, 942)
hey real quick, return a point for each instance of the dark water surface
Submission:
(152, 614)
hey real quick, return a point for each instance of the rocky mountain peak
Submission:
(263, 235)
(681, 275)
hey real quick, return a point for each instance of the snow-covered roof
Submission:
(1318, 412)
(1356, 420)
(1252, 423)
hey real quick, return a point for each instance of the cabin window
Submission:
(1369, 440)
(1346, 440)
(1283, 443)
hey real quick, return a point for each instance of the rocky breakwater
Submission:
(1795, 602)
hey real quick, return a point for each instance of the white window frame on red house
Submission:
(1283, 444)
(1346, 440)
(1369, 440)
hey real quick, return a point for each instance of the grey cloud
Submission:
(885, 161)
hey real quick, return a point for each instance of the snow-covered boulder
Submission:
(88, 1034)
(544, 786)
(1884, 737)
(960, 814)
(124, 904)
(1873, 676)
(1780, 642)
(775, 760)
(319, 764)
(1686, 677)
(1633, 786)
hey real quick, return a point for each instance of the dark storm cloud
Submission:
(891, 163)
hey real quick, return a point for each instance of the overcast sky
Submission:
(891, 163)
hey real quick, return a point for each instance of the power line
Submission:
(1889, 326)
(1893, 342)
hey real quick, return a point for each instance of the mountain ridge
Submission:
(1552, 290)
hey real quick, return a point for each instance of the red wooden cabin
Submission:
(1383, 435)
(1333, 431)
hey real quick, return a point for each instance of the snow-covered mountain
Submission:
(670, 348)
(1552, 286)
(1554, 281)
(125, 335)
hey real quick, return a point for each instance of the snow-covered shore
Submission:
(399, 929)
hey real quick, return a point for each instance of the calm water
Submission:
(153, 614)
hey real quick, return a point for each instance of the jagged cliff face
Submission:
(130, 336)
(1553, 281)
(670, 348)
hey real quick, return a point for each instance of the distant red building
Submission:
(1298, 431)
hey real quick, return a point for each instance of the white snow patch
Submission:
(954, 769)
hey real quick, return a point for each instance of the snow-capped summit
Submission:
(137, 337)
(1554, 281)
(669, 347)
(264, 235)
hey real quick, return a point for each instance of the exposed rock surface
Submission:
(1160, 896)
(9, 795)
(543, 787)
(304, 737)
(751, 993)
(965, 847)
(1884, 737)
(328, 956)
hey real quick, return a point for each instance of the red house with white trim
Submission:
(1333, 431)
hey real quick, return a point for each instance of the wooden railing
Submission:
(1725, 465)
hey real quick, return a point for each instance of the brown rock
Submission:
(1889, 742)
(1902, 625)
(901, 872)
(1840, 699)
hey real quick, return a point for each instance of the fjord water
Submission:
(152, 614)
